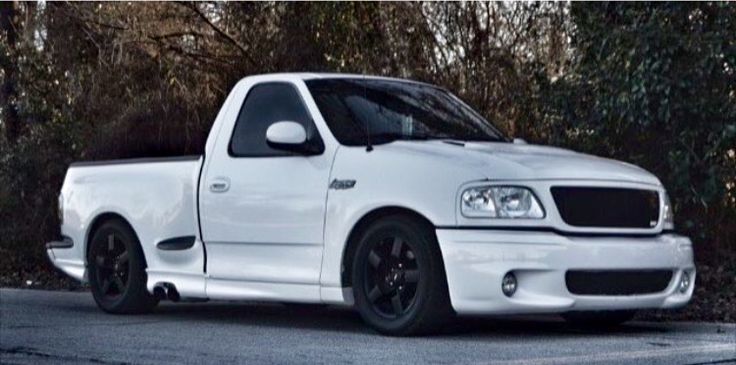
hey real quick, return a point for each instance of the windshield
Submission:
(395, 110)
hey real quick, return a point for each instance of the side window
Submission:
(264, 105)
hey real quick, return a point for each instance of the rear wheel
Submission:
(599, 319)
(117, 270)
(399, 281)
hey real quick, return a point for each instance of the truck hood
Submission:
(508, 161)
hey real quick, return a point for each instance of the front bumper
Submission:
(477, 260)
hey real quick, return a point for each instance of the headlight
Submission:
(500, 202)
(668, 217)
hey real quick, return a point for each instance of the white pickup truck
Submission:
(390, 195)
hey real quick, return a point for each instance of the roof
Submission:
(326, 75)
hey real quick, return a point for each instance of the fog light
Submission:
(684, 282)
(508, 284)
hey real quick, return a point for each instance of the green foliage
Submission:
(660, 92)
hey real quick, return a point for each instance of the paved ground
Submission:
(43, 327)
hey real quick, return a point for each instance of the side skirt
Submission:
(201, 286)
(224, 289)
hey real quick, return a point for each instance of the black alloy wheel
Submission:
(117, 270)
(392, 274)
(112, 267)
(398, 277)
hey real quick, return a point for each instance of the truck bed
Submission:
(157, 196)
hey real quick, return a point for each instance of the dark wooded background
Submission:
(651, 84)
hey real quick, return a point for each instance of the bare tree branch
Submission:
(222, 33)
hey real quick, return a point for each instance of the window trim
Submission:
(316, 138)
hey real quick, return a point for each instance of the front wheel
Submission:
(399, 281)
(599, 319)
(117, 270)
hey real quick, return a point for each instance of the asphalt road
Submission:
(43, 327)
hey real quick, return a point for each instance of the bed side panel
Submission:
(156, 198)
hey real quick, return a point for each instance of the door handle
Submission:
(219, 185)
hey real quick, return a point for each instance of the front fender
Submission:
(389, 176)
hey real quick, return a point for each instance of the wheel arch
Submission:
(363, 223)
(98, 221)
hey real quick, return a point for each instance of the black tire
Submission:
(599, 319)
(117, 270)
(415, 275)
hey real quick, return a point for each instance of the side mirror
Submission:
(519, 141)
(291, 136)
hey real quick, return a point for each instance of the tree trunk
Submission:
(8, 92)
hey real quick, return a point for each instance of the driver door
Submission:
(263, 209)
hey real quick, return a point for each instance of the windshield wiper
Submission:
(452, 141)
(384, 138)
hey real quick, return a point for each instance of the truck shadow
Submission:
(330, 318)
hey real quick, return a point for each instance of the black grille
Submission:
(607, 207)
(617, 282)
